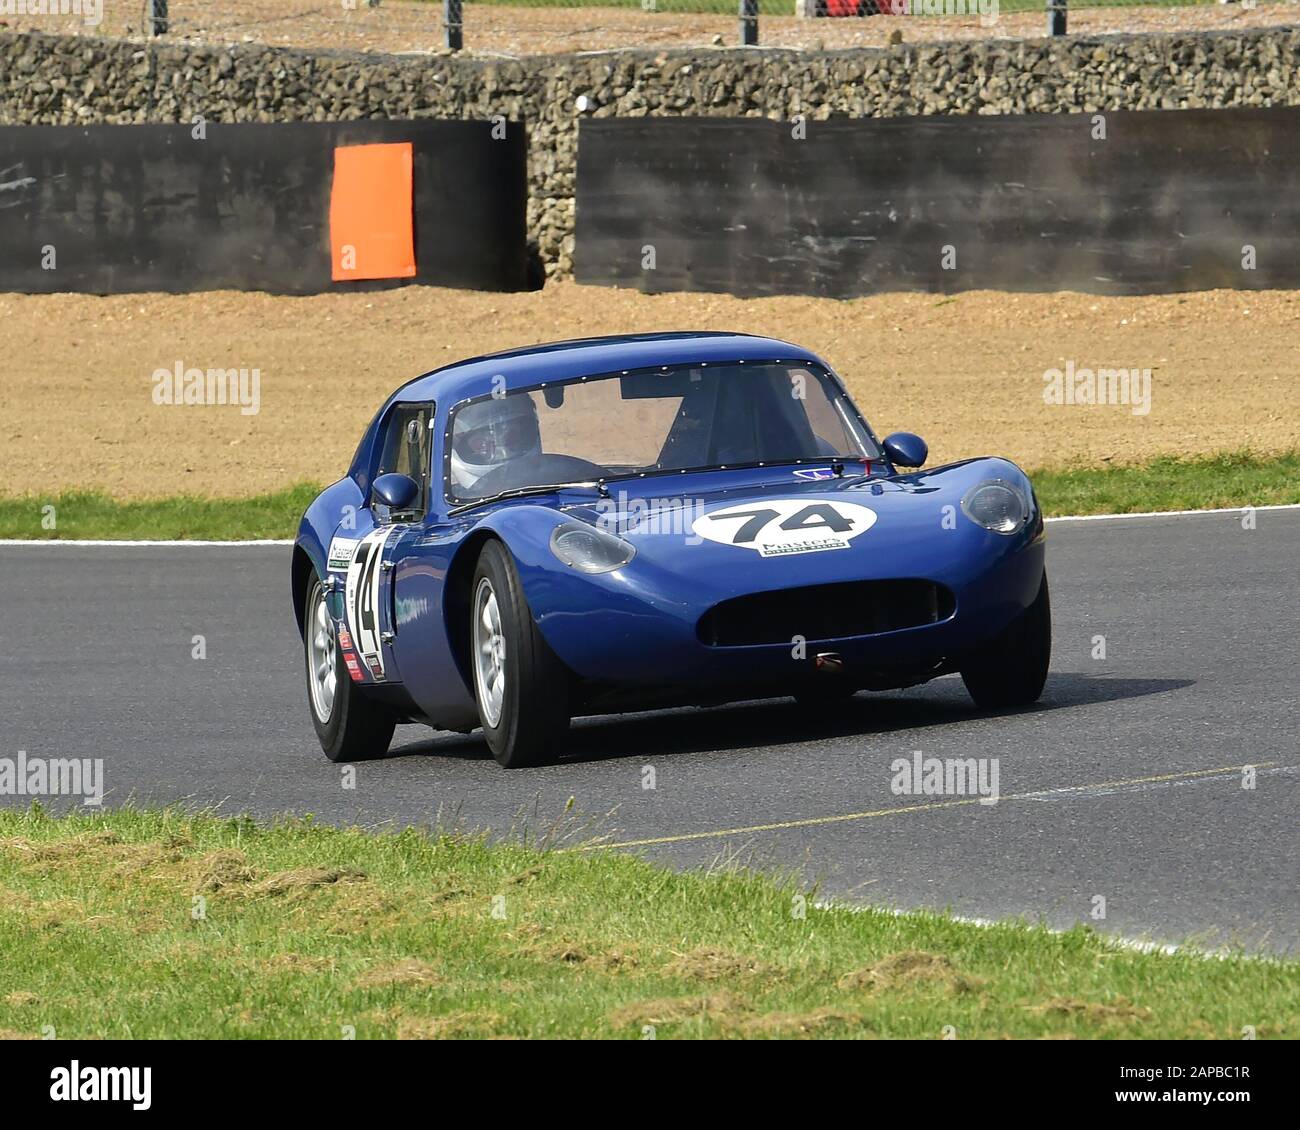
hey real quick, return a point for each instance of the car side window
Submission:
(406, 447)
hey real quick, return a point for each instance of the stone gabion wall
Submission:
(57, 80)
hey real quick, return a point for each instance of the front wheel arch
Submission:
(457, 590)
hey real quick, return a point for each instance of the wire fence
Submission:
(533, 27)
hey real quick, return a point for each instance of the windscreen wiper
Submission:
(597, 485)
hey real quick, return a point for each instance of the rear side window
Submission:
(406, 448)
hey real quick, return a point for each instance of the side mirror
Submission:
(906, 450)
(395, 491)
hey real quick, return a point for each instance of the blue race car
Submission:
(651, 520)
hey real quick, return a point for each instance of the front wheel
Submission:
(1011, 669)
(520, 685)
(350, 726)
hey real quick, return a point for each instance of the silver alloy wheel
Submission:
(322, 672)
(489, 653)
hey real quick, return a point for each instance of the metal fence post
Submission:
(749, 23)
(452, 23)
(1056, 10)
(156, 17)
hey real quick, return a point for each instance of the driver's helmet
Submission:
(489, 433)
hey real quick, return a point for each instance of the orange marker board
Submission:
(372, 227)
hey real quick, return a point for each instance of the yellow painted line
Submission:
(899, 810)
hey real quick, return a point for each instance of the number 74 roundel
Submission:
(361, 597)
(781, 526)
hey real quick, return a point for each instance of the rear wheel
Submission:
(1011, 669)
(520, 685)
(350, 726)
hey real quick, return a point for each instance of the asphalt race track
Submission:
(1123, 782)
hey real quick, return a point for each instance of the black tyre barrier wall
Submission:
(246, 207)
(1128, 202)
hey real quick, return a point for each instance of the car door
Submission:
(380, 540)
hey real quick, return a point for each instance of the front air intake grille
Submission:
(825, 612)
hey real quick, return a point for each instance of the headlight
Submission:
(997, 506)
(590, 550)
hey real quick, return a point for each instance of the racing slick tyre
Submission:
(350, 726)
(1011, 669)
(520, 685)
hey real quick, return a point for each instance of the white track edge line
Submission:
(1114, 941)
(1173, 513)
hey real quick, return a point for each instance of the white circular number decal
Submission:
(780, 526)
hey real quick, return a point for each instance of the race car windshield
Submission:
(658, 421)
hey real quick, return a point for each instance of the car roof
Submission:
(589, 357)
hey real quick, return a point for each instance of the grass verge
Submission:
(135, 924)
(1168, 483)
(80, 514)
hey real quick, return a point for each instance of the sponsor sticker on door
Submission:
(341, 552)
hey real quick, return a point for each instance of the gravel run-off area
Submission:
(967, 372)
